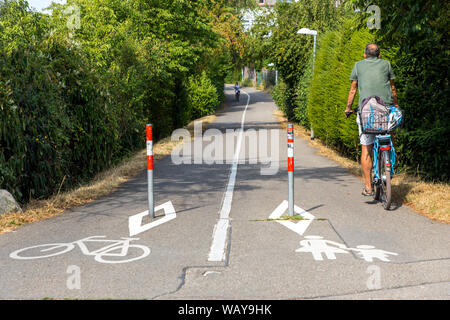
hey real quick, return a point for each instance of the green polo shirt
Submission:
(373, 76)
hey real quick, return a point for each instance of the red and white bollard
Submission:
(290, 138)
(149, 134)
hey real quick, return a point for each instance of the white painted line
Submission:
(217, 251)
(278, 212)
(135, 222)
(299, 227)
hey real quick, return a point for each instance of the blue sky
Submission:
(41, 4)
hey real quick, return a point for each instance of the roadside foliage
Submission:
(413, 36)
(78, 84)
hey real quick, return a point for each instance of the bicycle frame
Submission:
(382, 150)
(123, 244)
(383, 143)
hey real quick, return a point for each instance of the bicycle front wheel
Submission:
(385, 173)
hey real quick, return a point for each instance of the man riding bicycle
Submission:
(237, 90)
(237, 87)
(371, 76)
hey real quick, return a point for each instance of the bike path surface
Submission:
(260, 259)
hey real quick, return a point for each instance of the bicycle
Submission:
(237, 94)
(107, 251)
(383, 156)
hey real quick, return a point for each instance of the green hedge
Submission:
(72, 105)
(419, 30)
(413, 37)
(278, 95)
(422, 87)
(301, 92)
(337, 53)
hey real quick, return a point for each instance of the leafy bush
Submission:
(202, 96)
(278, 95)
(233, 76)
(419, 30)
(34, 125)
(247, 82)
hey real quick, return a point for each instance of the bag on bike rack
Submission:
(373, 115)
(395, 117)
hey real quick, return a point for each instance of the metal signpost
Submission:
(290, 138)
(149, 134)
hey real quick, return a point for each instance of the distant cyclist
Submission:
(237, 90)
(371, 76)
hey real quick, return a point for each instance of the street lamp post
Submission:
(313, 33)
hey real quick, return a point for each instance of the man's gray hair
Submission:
(372, 50)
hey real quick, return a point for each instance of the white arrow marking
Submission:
(135, 222)
(299, 227)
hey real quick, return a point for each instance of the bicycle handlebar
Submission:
(355, 110)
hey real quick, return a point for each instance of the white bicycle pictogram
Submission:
(114, 248)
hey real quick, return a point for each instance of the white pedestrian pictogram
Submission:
(370, 252)
(317, 246)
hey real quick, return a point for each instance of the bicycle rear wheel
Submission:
(375, 185)
(385, 181)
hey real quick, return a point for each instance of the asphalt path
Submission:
(221, 245)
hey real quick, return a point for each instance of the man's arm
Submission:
(394, 93)
(351, 95)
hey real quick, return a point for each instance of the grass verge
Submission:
(431, 200)
(282, 218)
(103, 184)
